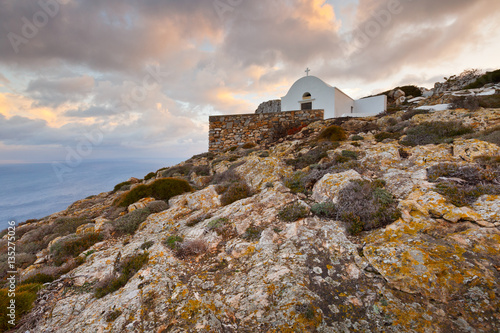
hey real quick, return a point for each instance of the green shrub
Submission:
(464, 195)
(113, 315)
(357, 138)
(366, 205)
(173, 241)
(25, 297)
(252, 233)
(118, 187)
(489, 77)
(67, 225)
(412, 113)
(313, 156)
(379, 137)
(182, 170)
(324, 209)
(147, 245)
(296, 182)
(39, 278)
(217, 224)
(125, 270)
(411, 91)
(235, 192)
(69, 248)
(201, 170)
(129, 223)
(150, 176)
(161, 189)
(333, 133)
(293, 212)
(470, 173)
(434, 133)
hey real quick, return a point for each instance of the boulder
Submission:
(258, 171)
(205, 199)
(86, 229)
(489, 207)
(467, 150)
(140, 204)
(99, 223)
(273, 106)
(330, 185)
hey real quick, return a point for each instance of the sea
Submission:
(33, 191)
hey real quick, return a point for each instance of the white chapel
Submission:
(310, 93)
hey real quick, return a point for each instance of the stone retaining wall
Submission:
(233, 130)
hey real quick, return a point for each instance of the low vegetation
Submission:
(26, 295)
(379, 137)
(364, 205)
(124, 186)
(333, 133)
(124, 271)
(231, 186)
(71, 247)
(191, 248)
(293, 212)
(463, 184)
(161, 189)
(172, 241)
(236, 191)
(434, 133)
(488, 77)
(490, 135)
(324, 209)
(313, 156)
(129, 223)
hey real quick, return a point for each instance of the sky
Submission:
(94, 79)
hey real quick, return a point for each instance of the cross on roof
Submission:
(307, 71)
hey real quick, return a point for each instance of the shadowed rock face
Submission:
(269, 107)
(435, 269)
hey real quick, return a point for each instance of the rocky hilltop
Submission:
(382, 224)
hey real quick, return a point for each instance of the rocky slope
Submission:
(435, 269)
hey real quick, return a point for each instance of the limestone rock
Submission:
(140, 204)
(269, 107)
(86, 229)
(205, 199)
(489, 207)
(330, 185)
(469, 149)
(99, 223)
(258, 171)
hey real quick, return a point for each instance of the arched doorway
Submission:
(305, 104)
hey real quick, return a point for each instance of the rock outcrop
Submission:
(273, 106)
(435, 268)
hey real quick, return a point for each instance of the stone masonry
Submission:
(232, 130)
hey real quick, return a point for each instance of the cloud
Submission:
(415, 36)
(91, 112)
(55, 92)
(89, 66)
